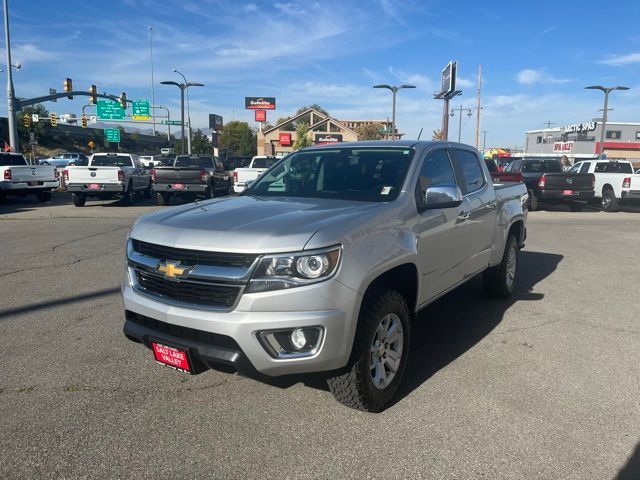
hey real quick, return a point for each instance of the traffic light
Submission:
(123, 100)
(68, 87)
(26, 119)
(54, 120)
(84, 121)
(93, 90)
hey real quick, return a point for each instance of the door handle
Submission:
(462, 216)
(491, 204)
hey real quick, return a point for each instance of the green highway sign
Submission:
(112, 135)
(108, 110)
(141, 110)
(171, 122)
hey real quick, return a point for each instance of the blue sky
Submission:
(537, 57)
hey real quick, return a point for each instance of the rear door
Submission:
(481, 197)
(443, 234)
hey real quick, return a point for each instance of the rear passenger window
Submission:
(436, 170)
(471, 171)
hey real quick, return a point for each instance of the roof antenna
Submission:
(420, 134)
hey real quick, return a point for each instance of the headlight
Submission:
(288, 270)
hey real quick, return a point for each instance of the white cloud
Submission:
(530, 76)
(618, 60)
(28, 52)
(548, 30)
(462, 82)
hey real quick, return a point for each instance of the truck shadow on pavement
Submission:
(631, 470)
(446, 329)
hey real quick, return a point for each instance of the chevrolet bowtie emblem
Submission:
(172, 270)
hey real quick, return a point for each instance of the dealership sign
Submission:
(328, 138)
(580, 127)
(261, 115)
(260, 103)
(563, 147)
(215, 122)
(284, 139)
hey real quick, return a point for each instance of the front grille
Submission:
(185, 333)
(194, 257)
(221, 296)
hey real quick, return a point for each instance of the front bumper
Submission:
(237, 330)
(577, 195)
(188, 188)
(104, 187)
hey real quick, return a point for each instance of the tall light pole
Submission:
(153, 86)
(183, 87)
(11, 112)
(394, 91)
(188, 111)
(607, 91)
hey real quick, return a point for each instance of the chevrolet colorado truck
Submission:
(20, 179)
(107, 176)
(194, 175)
(613, 180)
(322, 264)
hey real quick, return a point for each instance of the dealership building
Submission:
(323, 129)
(581, 141)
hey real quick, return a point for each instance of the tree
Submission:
(437, 135)
(41, 129)
(302, 137)
(238, 138)
(369, 132)
(200, 143)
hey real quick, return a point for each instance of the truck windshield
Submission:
(111, 161)
(8, 160)
(543, 166)
(193, 162)
(362, 174)
(264, 162)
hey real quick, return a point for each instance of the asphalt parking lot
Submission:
(545, 385)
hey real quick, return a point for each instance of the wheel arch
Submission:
(403, 278)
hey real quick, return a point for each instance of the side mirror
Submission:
(442, 196)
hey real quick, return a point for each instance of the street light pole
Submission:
(11, 112)
(469, 113)
(606, 91)
(188, 112)
(153, 88)
(394, 91)
(183, 87)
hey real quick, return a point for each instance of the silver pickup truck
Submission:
(321, 265)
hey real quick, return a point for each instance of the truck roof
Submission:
(390, 143)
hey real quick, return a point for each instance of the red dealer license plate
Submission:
(94, 186)
(172, 357)
(568, 192)
(178, 186)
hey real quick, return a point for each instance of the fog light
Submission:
(298, 339)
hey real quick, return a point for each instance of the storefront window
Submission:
(614, 134)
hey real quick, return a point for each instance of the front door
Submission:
(443, 233)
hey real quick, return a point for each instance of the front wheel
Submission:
(609, 200)
(78, 199)
(500, 281)
(379, 355)
(148, 192)
(127, 197)
(533, 202)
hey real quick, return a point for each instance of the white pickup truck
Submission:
(614, 181)
(243, 175)
(20, 179)
(107, 176)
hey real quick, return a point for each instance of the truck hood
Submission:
(247, 224)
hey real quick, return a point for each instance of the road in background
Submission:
(541, 386)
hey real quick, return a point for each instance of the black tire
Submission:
(500, 281)
(148, 192)
(609, 200)
(533, 202)
(209, 192)
(354, 387)
(127, 197)
(162, 199)
(43, 196)
(78, 199)
(576, 207)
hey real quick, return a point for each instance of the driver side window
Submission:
(436, 170)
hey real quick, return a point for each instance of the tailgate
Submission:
(572, 181)
(93, 174)
(178, 175)
(245, 174)
(26, 173)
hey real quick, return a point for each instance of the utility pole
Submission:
(484, 140)
(11, 108)
(469, 113)
(478, 107)
(153, 88)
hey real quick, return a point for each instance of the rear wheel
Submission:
(209, 192)
(162, 198)
(500, 281)
(43, 196)
(127, 198)
(533, 202)
(379, 355)
(148, 192)
(78, 199)
(609, 200)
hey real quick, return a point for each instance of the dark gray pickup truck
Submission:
(194, 175)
